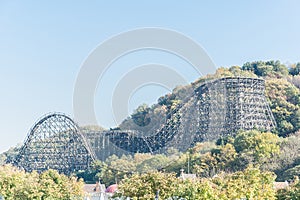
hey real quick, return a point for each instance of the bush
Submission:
(16, 184)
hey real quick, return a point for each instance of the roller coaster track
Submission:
(214, 109)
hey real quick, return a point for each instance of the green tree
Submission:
(19, 185)
(262, 145)
(290, 173)
(248, 184)
(217, 160)
(9, 155)
(295, 69)
(141, 115)
(267, 68)
(284, 100)
(146, 185)
(289, 157)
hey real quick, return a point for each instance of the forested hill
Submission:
(282, 92)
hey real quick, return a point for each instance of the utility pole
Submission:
(157, 195)
(188, 162)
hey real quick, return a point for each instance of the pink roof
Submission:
(112, 188)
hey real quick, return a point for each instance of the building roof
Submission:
(94, 188)
(184, 176)
(112, 188)
(188, 176)
(281, 185)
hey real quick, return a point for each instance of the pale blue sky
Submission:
(42, 46)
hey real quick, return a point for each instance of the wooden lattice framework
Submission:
(227, 105)
(215, 109)
(55, 142)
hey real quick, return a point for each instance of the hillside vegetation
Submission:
(277, 152)
(244, 165)
(282, 92)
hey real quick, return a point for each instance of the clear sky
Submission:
(43, 44)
